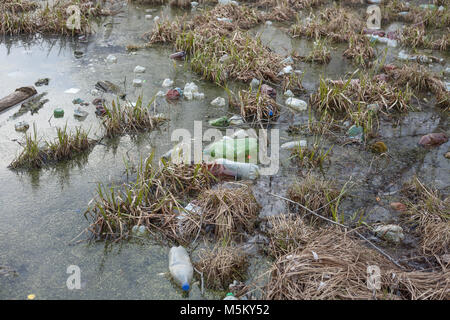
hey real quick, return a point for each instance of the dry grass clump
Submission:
(431, 19)
(316, 194)
(417, 37)
(319, 54)
(226, 212)
(336, 24)
(151, 201)
(285, 10)
(331, 264)
(431, 213)
(120, 119)
(256, 106)
(286, 233)
(48, 18)
(360, 50)
(351, 95)
(219, 50)
(37, 153)
(18, 6)
(221, 266)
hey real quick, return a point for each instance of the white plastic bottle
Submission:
(180, 267)
(239, 170)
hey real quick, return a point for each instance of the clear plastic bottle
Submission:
(180, 267)
(239, 169)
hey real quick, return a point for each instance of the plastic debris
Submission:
(167, 83)
(230, 296)
(255, 83)
(173, 94)
(398, 206)
(139, 230)
(268, 90)
(296, 104)
(356, 132)
(218, 102)
(80, 113)
(239, 170)
(139, 69)
(160, 94)
(433, 139)
(180, 267)
(225, 20)
(236, 120)
(137, 82)
(294, 144)
(288, 60)
(178, 55)
(21, 126)
(148, 16)
(189, 90)
(220, 122)
(111, 59)
(72, 90)
(239, 149)
(58, 113)
(224, 58)
(390, 232)
(288, 93)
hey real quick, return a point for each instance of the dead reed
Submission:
(256, 106)
(221, 266)
(226, 212)
(429, 211)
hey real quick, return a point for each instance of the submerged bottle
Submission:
(180, 267)
(240, 170)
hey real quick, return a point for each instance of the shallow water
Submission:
(42, 210)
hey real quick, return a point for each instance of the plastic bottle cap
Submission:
(230, 294)
(58, 113)
(185, 287)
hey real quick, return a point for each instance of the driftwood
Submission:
(16, 97)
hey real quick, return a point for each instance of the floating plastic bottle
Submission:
(230, 296)
(180, 267)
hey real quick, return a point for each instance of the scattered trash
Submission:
(230, 296)
(137, 82)
(268, 90)
(225, 20)
(402, 55)
(155, 19)
(178, 55)
(433, 139)
(173, 94)
(180, 267)
(139, 230)
(289, 93)
(78, 54)
(77, 101)
(428, 6)
(390, 232)
(31, 297)
(255, 83)
(239, 170)
(356, 132)
(190, 91)
(98, 101)
(21, 126)
(236, 120)
(80, 113)
(398, 206)
(111, 59)
(42, 82)
(194, 4)
(375, 107)
(58, 113)
(72, 90)
(293, 144)
(148, 16)
(218, 102)
(268, 23)
(160, 94)
(447, 155)
(16, 97)
(296, 104)
(238, 149)
(167, 83)
(220, 122)
(389, 42)
(139, 69)
(100, 110)
(286, 70)
(288, 61)
(107, 86)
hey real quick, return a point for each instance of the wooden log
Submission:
(16, 97)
